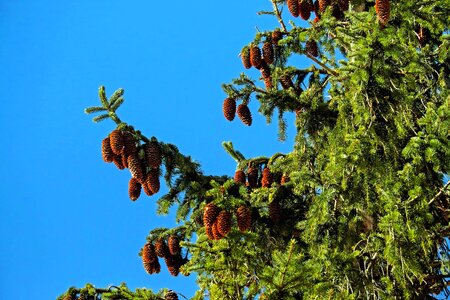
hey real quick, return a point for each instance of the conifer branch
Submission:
(278, 14)
(439, 193)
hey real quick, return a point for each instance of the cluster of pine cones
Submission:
(218, 222)
(170, 251)
(243, 112)
(143, 161)
(253, 180)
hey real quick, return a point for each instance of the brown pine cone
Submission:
(244, 114)
(265, 70)
(135, 166)
(323, 4)
(124, 158)
(252, 177)
(275, 211)
(210, 214)
(161, 248)
(245, 56)
(286, 82)
(268, 83)
(312, 48)
(117, 159)
(224, 222)
(267, 177)
(383, 9)
(244, 218)
(153, 155)
(255, 56)
(116, 141)
(171, 295)
(239, 177)
(337, 12)
(268, 54)
(215, 231)
(316, 11)
(134, 189)
(229, 109)
(174, 245)
(304, 8)
(276, 36)
(146, 188)
(129, 143)
(293, 7)
(423, 34)
(148, 253)
(107, 153)
(152, 180)
(209, 233)
(173, 264)
(284, 179)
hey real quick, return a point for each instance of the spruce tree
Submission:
(358, 209)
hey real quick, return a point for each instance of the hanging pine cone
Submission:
(255, 56)
(129, 143)
(116, 141)
(293, 7)
(268, 54)
(245, 56)
(107, 154)
(209, 233)
(117, 159)
(268, 83)
(210, 214)
(323, 4)
(265, 70)
(286, 82)
(239, 177)
(229, 109)
(382, 7)
(215, 231)
(173, 264)
(171, 295)
(152, 180)
(284, 179)
(148, 254)
(275, 211)
(316, 11)
(174, 245)
(423, 34)
(244, 114)
(276, 36)
(267, 177)
(304, 9)
(134, 189)
(124, 158)
(252, 177)
(312, 48)
(135, 166)
(153, 155)
(152, 267)
(146, 188)
(244, 218)
(224, 222)
(161, 248)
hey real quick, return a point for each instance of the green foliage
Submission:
(366, 210)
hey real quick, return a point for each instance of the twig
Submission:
(330, 71)
(278, 14)
(440, 192)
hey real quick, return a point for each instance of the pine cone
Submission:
(229, 109)
(268, 83)
(275, 211)
(129, 143)
(215, 231)
(174, 245)
(146, 188)
(323, 4)
(284, 179)
(255, 56)
(124, 159)
(107, 154)
(316, 11)
(239, 177)
(161, 248)
(382, 7)
(244, 114)
(304, 8)
(135, 166)
(265, 70)
(116, 141)
(224, 222)
(293, 7)
(209, 233)
(171, 295)
(134, 189)
(244, 218)
(268, 54)
(153, 155)
(148, 254)
(423, 35)
(286, 82)
(267, 177)
(210, 214)
(152, 180)
(117, 159)
(173, 264)
(245, 56)
(312, 48)
(337, 12)
(276, 36)
(252, 177)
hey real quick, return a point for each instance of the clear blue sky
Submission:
(66, 216)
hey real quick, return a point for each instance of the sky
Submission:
(66, 216)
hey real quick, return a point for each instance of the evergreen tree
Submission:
(360, 207)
